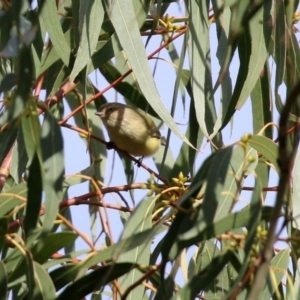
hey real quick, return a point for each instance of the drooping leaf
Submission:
(8, 82)
(91, 15)
(182, 221)
(31, 129)
(44, 288)
(279, 264)
(244, 52)
(35, 188)
(12, 198)
(204, 277)
(266, 147)
(296, 193)
(199, 51)
(280, 48)
(54, 30)
(139, 221)
(260, 32)
(3, 281)
(235, 220)
(129, 37)
(19, 158)
(261, 104)
(99, 277)
(53, 159)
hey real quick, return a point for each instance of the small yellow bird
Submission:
(130, 129)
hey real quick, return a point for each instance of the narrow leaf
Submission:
(199, 50)
(277, 270)
(44, 288)
(266, 147)
(54, 29)
(196, 234)
(261, 104)
(140, 220)
(53, 157)
(3, 281)
(12, 198)
(35, 188)
(204, 277)
(91, 15)
(124, 21)
(296, 192)
(98, 278)
(31, 129)
(52, 244)
(259, 51)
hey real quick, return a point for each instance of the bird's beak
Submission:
(100, 114)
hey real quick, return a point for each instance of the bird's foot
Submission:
(139, 162)
(110, 145)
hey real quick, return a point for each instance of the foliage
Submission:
(190, 237)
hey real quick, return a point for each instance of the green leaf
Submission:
(91, 15)
(277, 270)
(35, 188)
(12, 198)
(198, 234)
(44, 288)
(296, 192)
(141, 9)
(55, 81)
(105, 51)
(3, 231)
(48, 59)
(19, 159)
(31, 129)
(201, 280)
(223, 25)
(199, 51)
(29, 271)
(54, 30)
(129, 91)
(292, 75)
(7, 139)
(39, 251)
(3, 281)
(79, 177)
(244, 52)
(257, 213)
(64, 275)
(218, 287)
(94, 279)
(53, 158)
(186, 158)
(123, 246)
(280, 49)
(51, 244)
(139, 221)
(8, 82)
(261, 104)
(182, 222)
(266, 147)
(17, 262)
(229, 167)
(260, 32)
(129, 37)
(291, 289)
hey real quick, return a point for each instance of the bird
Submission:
(130, 129)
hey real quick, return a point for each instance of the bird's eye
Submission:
(111, 109)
